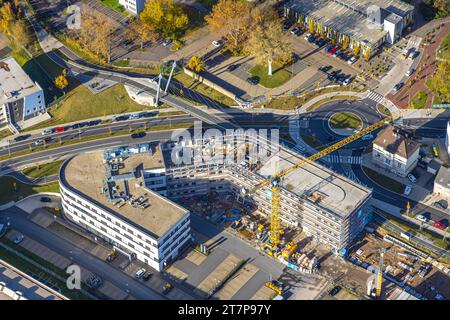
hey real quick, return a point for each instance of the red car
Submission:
(59, 129)
(439, 225)
(332, 51)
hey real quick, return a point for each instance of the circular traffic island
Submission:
(345, 123)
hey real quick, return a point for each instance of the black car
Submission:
(325, 68)
(320, 42)
(21, 138)
(93, 123)
(440, 204)
(311, 39)
(138, 135)
(335, 290)
(232, 67)
(147, 275)
(45, 199)
(76, 126)
(287, 24)
(121, 118)
(253, 80)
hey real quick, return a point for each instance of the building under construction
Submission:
(327, 206)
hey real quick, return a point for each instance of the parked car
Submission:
(147, 276)
(311, 39)
(166, 288)
(138, 135)
(121, 118)
(440, 204)
(134, 116)
(412, 178)
(306, 37)
(38, 142)
(217, 43)
(407, 190)
(320, 42)
(347, 81)
(166, 43)
(397, 87)
(111, 257)
(439, 225)
(59, 129)
(332, 51)
(287, 24)
(335, 290)
(325, 68)
(232, 67)
(140, 273)
(409, 72)
(422, 218)
(352, 60)
(328, 48)
(295, 30)
(93, 123)
(253, 80)
(47, 131)
(18, 239)
(336, 53)
(22, 138)
(45, 199)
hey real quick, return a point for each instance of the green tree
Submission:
(164, 17)
(195, 64)
(443, 7)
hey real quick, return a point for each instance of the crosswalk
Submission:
(343, 159)
(372, 95)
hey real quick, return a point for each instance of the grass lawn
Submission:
(384, 181)
(21, 190)
(279, 76)
(114, 4)
(45, 170)
(203, 89)
(444, 48)
(419, 101)
(345, 120)
(81, 104)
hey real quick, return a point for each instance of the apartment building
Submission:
(106, 193)
(20, 97)
(134, 6)
(393, 149)
(362, 26)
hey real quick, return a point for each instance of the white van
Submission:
(140, 273)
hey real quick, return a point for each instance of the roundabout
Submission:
(345, 123)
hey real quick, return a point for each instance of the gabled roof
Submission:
(396, 141)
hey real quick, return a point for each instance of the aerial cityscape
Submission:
(225, 150)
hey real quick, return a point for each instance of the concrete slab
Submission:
(237, 282)
(264, 293)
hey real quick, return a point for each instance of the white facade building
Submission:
(394, 150)
(134, 6)
(447, 139)
(106, 194)
(20, 97)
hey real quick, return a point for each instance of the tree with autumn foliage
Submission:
(195, 64)
(268, 44)
(233, 21)
(61, 81)
(164, 17)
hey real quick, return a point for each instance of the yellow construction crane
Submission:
(274, 181)
(380, 273)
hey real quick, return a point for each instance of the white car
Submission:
(422, 218)
(140, 273)
(352, 60)
(38, 142)
(412, 178)
(18, 239)
(134, 116)
(166, 43)
(347, 81)
(409, 72)
(407, 191)
(306, 37)
(217, 43)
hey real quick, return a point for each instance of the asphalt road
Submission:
(19, 221)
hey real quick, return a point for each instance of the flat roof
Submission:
(86, 173)
(443, 177)
(14, 82)
(338, 194)
(30, 288)
(348, 17)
